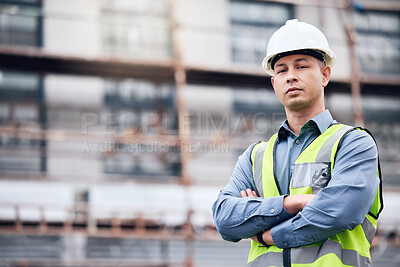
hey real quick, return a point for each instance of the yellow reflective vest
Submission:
(310, 173)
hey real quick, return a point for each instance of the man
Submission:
(311, 195)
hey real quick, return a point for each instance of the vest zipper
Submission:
(286, 258)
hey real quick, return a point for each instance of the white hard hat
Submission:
(297, 38)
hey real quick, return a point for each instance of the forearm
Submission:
(300, 231)
(334, 210)
(237, 218)
(293, 204)
(343, 204)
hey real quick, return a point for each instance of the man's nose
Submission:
(291, 76)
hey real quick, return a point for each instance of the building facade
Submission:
(120, 120)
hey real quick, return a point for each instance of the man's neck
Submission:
(296, 119)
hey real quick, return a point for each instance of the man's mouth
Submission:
(293, 91)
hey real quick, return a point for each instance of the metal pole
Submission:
(183, 128)
(183, 114)
(355, 76)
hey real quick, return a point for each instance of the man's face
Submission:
(299, 81)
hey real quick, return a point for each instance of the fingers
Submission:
(248, 193)
(251, 193)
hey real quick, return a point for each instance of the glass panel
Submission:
(249, 43)
(136, 28)
(255, 101)
(19, 25)
(377, 21)
(21, 81)
(22, 149)
(378, 41)
(138, 94)
(252, 24)
(138, 107)
(154, 7)
(259, 13)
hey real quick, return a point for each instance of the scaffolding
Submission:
(138, 225)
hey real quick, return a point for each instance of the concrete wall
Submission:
(204, 32)
(71, 27)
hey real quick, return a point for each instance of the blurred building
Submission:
(121, 120)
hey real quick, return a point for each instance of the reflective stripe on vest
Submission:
(310, 173)
(329, 253)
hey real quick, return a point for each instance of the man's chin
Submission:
(296, 105)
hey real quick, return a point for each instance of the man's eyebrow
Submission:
(296, 60)
(280, 65)
(301, 59)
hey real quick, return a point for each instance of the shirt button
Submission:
(297, 141)
(285, 244)
(277, 217)
(272, 210)
(312, 239)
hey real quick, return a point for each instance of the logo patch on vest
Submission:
(311, 174)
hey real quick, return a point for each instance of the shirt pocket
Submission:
(311, 174)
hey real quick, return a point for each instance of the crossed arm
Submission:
(291, 221)
(293, 204)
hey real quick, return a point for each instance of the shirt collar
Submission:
(321, 122)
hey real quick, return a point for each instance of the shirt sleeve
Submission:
(236, 217)
(344, 203)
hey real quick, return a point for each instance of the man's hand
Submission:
(295, 203)
(248, 193)
(267, 234)
(292, 203)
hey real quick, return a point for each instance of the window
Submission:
(137, 28)
(18, 86)
(141, 108)
(378, 41)
(21, 23)
(252, 24)
(259, 111)
(138, 94)
(20, 107)
(251, 101)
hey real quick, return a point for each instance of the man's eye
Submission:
(281, 71)
(303, 67)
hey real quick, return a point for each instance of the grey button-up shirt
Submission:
(342, 205)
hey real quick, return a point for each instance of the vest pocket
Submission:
(311, 174)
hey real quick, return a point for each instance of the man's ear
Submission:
(272, 81)
(326, 75)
